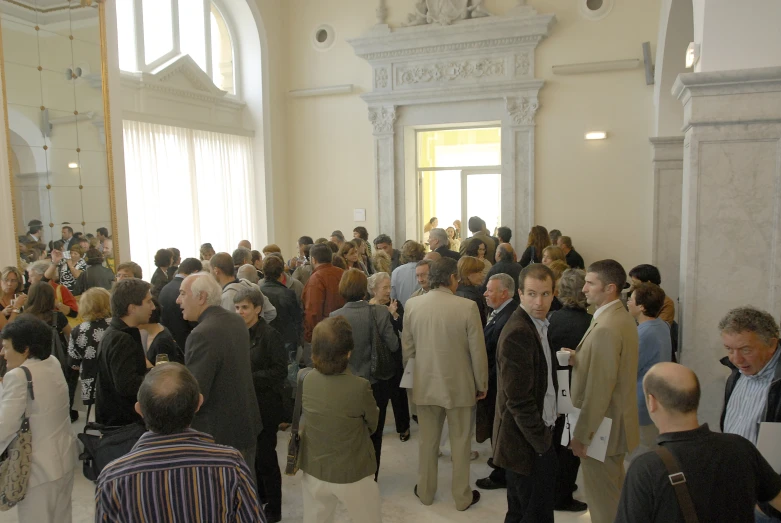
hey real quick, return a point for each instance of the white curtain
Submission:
(184, 188)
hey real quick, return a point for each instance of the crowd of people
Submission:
(205, 360)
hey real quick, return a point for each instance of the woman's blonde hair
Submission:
(95, 304)
(468, 265)
(11, 269)
(555, 253)
(381, 261)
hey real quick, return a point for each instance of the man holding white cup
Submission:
(526, 402)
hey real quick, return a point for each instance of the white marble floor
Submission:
(397, 479)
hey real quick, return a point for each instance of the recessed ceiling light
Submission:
(596, 135)
(73, 165)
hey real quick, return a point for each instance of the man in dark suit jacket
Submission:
(171, 315)
(505, 265)
(218, 354)
(498, 295)
(526, 402)
(574, 259)
(439, 243)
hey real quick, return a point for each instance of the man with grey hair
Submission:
(443, 333)
(218, 354)
(499, 296)
(241, 256)
(440, 243)
(753, 391)
(505, 265)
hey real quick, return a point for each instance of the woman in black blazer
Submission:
(566, 329)
(470, 278)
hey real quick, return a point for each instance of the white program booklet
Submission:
(409, 374)
(598, 447)
(563, 401)
(769, 443)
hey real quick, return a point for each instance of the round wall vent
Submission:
(595, 9)
(323, 37)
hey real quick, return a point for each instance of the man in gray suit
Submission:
(217, 354)
(443, 333)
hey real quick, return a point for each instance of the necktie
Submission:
(491, 316)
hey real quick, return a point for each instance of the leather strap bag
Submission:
(383, 366)
(294, 445)
(678, 481)
(15, 465)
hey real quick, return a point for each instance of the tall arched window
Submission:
(153, 32)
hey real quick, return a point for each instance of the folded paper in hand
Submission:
(409, 374)
(598, 447)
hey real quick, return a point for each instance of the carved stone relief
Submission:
(522, 110)
(445, 12)
(381, 78)
(382, 118)
(449, 71)
(523, 63)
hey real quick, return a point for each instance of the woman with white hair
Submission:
(379, 285)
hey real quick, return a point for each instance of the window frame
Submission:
(143, 66)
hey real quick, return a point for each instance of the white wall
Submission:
(329, 141)
(737, 35)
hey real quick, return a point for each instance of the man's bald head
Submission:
(168, 398)
(433, 256)
(245, 244)
(248, 272)
(674, 386)
(504, 252)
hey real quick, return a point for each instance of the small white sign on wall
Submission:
(359, 215)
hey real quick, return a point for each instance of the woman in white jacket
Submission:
(27, 342)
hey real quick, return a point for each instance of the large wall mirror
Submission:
(59, 140)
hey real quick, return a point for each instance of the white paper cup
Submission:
(563, 357)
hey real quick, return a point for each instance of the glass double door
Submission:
(456, 194)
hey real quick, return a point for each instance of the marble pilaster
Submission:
(383, 119)
(731, 213)
(667, 160)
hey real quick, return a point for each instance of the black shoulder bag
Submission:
(294, 445)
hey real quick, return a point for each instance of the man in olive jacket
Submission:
(218, 355)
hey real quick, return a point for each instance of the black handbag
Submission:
(294, 445)
(383, 366)
(109, 444)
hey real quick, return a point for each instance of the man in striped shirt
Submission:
(174, 473)
(753, 391)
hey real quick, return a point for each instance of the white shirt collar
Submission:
(605, 306)
(502, 306)
(539, 323)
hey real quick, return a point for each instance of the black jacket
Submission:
(505, 267)
(269, 371)
(575, 260)
(171, 315)
(98, 276)
(772, 408)
(217, 353)
(447, 253)
(121, 365)
(472, 292)
(158, 281)
(289, 320)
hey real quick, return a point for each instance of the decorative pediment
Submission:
(458, 53)
(183, 73)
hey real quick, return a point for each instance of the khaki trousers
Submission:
(431, 418)
(361, 499)
(602, 483)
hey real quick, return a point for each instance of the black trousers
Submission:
(72, 379)
(568, 466)
(269, 478)
(382, 394)
(530, 498)
(400, 404)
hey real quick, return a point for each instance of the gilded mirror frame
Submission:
(106, 128)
